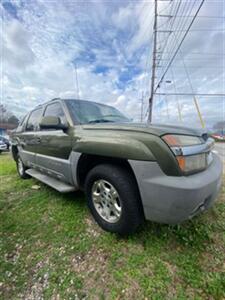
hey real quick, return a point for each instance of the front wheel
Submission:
(21, 168)
(113, 199)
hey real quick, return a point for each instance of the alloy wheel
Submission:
(106, 201)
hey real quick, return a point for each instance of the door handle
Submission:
(38, 140)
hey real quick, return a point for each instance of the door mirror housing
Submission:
(52, 122)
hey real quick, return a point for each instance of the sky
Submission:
(109, 43)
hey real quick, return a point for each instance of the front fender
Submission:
(114, 147)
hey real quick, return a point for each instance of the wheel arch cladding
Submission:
(14, 152)
(87, 162)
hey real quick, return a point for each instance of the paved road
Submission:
(220, 148)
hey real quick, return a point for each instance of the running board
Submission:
(52, 182)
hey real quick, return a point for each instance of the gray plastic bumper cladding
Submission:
(172, 200)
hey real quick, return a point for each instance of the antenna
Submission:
(76, 81)
(142, 106)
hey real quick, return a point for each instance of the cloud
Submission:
(110, 45)
(16, 49)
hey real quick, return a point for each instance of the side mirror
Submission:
(52, 122)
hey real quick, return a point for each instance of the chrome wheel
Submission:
(106, 201)
(20, 166)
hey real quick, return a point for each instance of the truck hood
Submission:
(155, 129)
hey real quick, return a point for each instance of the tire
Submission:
(0, 152)
(113, 199)
(21, 168)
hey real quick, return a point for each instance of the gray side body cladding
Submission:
(61, 169)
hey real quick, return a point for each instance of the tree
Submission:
(13, 120)
(7, 116)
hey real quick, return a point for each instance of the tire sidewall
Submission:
(126, 193)
(22, 174)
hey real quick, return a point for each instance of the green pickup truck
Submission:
(129, 172)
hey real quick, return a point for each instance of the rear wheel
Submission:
(21, 168)
(113, 199)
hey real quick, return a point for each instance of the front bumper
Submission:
(172, 200)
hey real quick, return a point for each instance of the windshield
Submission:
(86, 112)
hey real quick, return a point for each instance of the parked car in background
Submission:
(3, 146)
(5, 141)
(129, 172)
(218, 138)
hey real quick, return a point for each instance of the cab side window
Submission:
(22, 124)
(56, 110)
(34, 120)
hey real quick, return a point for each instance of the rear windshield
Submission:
(85, 112)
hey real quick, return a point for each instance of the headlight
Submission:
(192, 163)
(192, 154)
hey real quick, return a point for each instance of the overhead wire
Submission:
(187, 8)
(179, 46)
(171, 22)
(156, 60)
(176, 97)
(174, 45)
(174, 14)
(180, 24)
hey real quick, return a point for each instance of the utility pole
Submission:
(153, 62)
(199, 112)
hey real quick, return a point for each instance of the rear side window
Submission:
(34, 120)
(56, 110)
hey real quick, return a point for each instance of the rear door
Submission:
(54, 147)
(27, 139)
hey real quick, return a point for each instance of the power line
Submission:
(153, 61)
(188, 29)
(199, 30)
(208, 17)
(201, 53)
(177, 100)
(190, 83)
(155, 64)
(187, 8)
(171, 20)
(198, 67)
(190, 94)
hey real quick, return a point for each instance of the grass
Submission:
(50, 248)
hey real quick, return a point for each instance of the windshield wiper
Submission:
(120, 117)
(105, 116)
(100, 121)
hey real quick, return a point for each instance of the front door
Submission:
(54, 147)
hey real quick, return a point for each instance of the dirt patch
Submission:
(211, 264)
(93, 230)
(37, 284)
(94, 269)
(176, 280)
